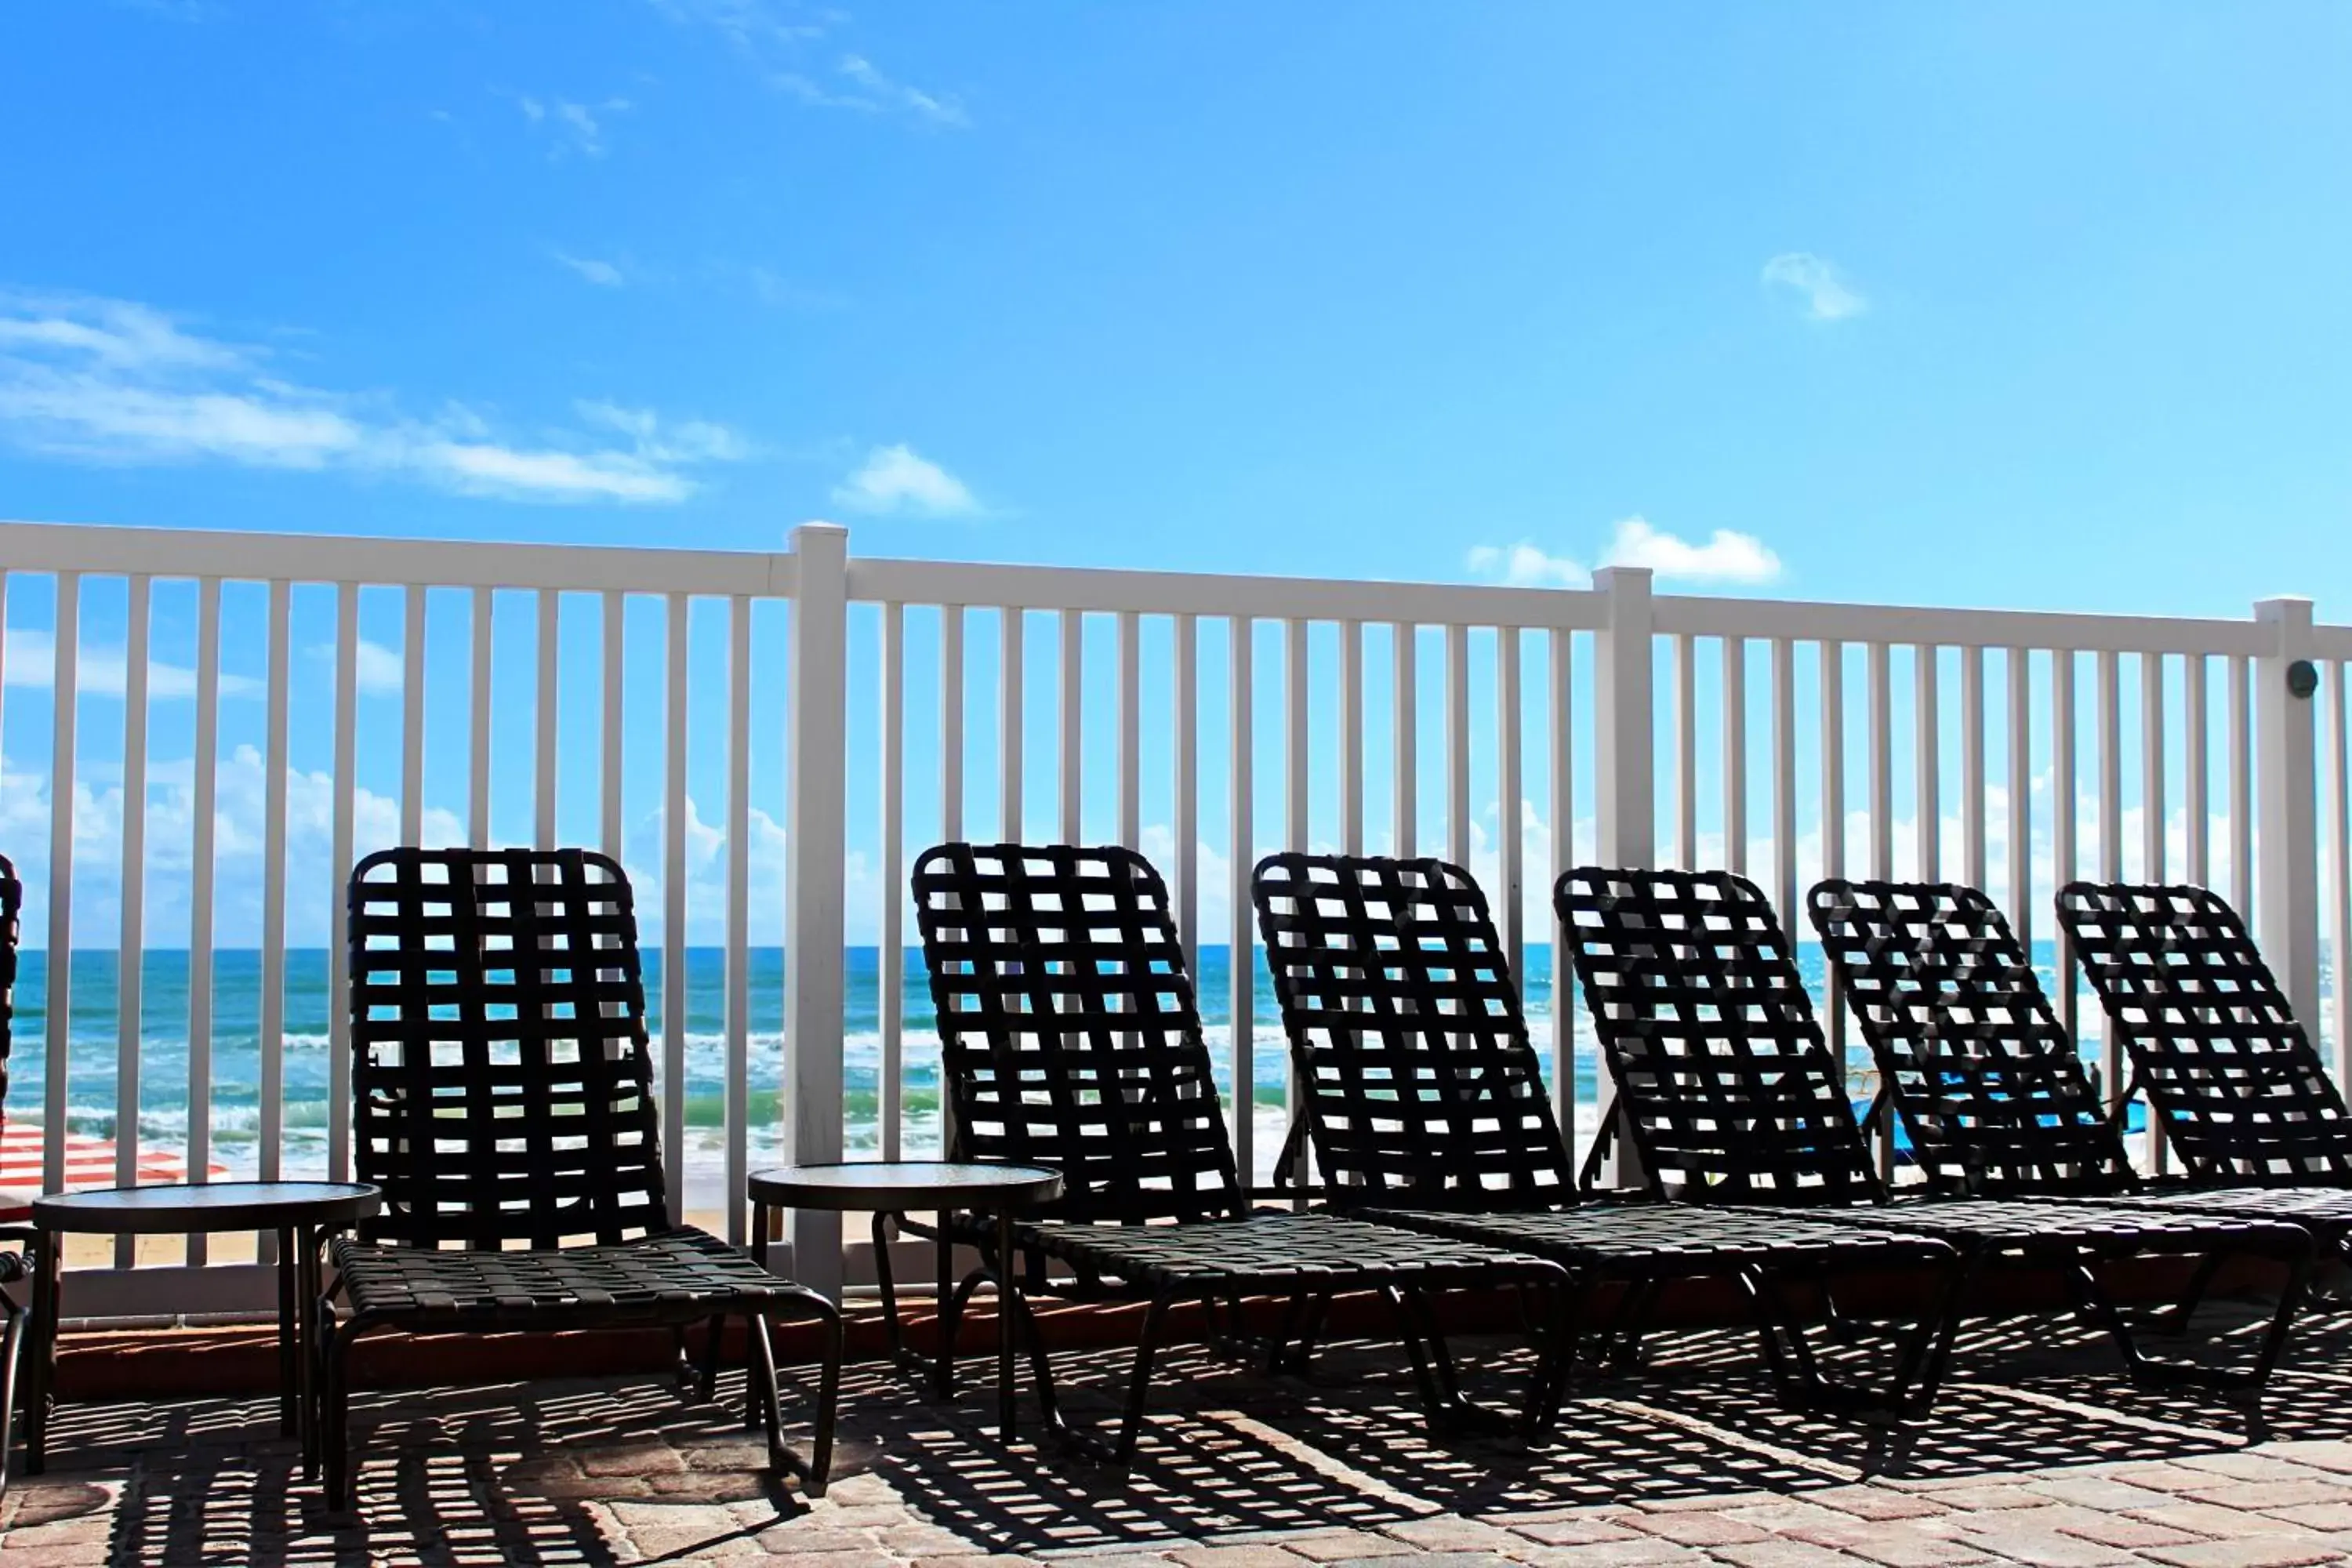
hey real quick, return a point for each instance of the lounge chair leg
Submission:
(2199, 1282)
(335, 1436)
(814, 1471)
(706, 1376)
(1147, 1347)
(950, 1315)
(11, 1352)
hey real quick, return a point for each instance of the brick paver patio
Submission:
(2042, 1456)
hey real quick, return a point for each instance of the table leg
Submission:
(43, 1349)
(289, 1377)
(759, 1232)
(1005, 1310)
(307, 1289)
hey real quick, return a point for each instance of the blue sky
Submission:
(1994, 304)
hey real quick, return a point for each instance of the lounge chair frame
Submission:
(1730, 1093)
(1071, 1037)
(504, 1103)
(1426, 1106)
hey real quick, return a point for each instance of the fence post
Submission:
(2286, 828)
(815, 810)
(1624, 772)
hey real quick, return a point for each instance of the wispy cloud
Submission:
(779, 38)
(896, 481)
(100, 670)
(856, 84)
(119, 381)
(1726, 557)
(603, 274)
(1824, 290)
(571, 127)
(1525, 566)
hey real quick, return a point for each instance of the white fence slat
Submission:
(1351, 737)
(273, 907)
(2065, 819)
(1130, 730)
(1294, 758)
(2242, 791)
(342, 852)
(477, 782)
(56, 989)
(2154, 817)
(1457, 744)
(202, 859)
(1734, 762)
(1241, 965)
(1186, 791)
(1928, 768)
(2196, 748)
(412, 717)
(1563, 860)
(1510, 841)
(951, 701)
(129, 977)
(1972, 765)
(2021, 797)
(1687, 752)
(1405, 747)
(1071, 753)
(735, 1096)
(612, 825)
(673, 987)
(1784, 785)
(890, 960)
(1009, 632)
(546, 777)
(2110, 746)
(1833, 824)
(1882, 766)
(2338, 847)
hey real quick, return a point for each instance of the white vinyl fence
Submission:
(202, 731)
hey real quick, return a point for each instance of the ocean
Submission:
(236, 1056)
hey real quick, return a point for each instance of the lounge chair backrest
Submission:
(12, 899)
(1985, 1079)
(1069, 1030)
(2239, 1090)
(1406, 1033)
(504, 1089)
(1724, 1083)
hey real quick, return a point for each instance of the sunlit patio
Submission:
(2044, 1456)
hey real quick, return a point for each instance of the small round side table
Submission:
(302, 1214)
(891, 1189)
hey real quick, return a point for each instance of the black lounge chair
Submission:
(1730, 1095)
(1071, 1038)
(2244, 1100)
(1427, 1110)
(505, 1106)
(15, 1265)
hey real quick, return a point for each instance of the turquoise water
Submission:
(236, 1055)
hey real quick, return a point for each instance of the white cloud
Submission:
(776, 38)
(1524, 565)
(571, 127)
(32, 663)
(896, 481)
(1726, 557)
(117, 381)
(1828, 296)
(603, 274)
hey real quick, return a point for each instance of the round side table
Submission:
(302, 1214)
(891, 1189)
